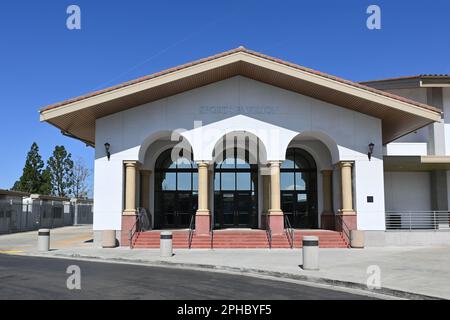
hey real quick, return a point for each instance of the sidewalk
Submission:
(416, 270)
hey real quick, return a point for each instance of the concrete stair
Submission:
(243, 239)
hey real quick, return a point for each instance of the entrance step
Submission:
(251, 239)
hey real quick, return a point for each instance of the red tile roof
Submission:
(226, 53)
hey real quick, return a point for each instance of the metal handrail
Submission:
(417, 220)
(191, 231)
(344, 228)
(269, 234)
(212, 232)
(289, 231)
(139, 225)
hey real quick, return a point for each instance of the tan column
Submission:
(327, 191)
(275, 204)
(145, 189)
(275, 217)
(346, 180)
(130, 187)
(202, 188)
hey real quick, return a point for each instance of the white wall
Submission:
(247, 103)
(446, 105)
(407, 191)
(406, 149)
(368, 177)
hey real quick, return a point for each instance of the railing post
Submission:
(410, 221)
(435, 223)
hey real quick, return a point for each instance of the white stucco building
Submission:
(244, 140)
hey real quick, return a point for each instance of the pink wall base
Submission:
(202, 224)
(276, 223)
(350, 221)
(128, 222)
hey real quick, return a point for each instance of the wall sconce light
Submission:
(369, 154)
(107, 147)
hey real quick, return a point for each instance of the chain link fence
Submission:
(20, 216)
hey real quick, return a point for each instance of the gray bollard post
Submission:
(44, 240)
(310, 253)
(165, 244)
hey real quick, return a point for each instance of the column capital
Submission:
(131, 163)
(274, 163)
(344, 164)
(202, 164)
(326, 172)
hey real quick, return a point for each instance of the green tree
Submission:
(33, 179)
(60, 166)
(46, 185)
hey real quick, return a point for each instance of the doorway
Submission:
(299, 189)
(235, 209)
(236, 188)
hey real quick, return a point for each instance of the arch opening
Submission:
(298, 187)
(175, 189)
(237, 157)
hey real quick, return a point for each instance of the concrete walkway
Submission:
(67, 237)
(415, 270)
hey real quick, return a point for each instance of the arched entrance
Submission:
(176, 190)
(298, 179)
(236, 185)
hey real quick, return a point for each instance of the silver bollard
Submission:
(44, 240)
(310, 253)
(165, 244)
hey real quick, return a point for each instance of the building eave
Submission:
(416, 163)
(399, 115)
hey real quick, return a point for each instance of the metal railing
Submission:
(269, 234)
(142, 224)
(191, 231)
(290, 233)
(212, 232)
(417, 220)
(342, 227)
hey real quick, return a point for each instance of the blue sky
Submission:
(42, 62)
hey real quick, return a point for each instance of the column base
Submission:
(327, 221)
(349, 218)
(130, 212)
(275, 220)
(202, 222)
(128, 222)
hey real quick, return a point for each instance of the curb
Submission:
(252, 271)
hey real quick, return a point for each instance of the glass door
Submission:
(301, 214)
(166, 205)
(243, 209)
(299, 209)
(228, 209)
(185, 207)
(288, 206)
(298, 180)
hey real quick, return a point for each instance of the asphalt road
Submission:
(40, 278)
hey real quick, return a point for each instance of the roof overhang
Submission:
(418, 81)
(13, 193)
(76, 117)
(416, 163)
